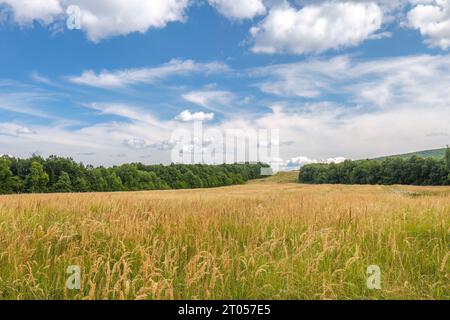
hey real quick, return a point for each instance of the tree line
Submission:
(412, 171)
(57, 174)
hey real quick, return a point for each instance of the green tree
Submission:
(17, 184)
(63, 184)
(416, 171)
(113, 182)
(81, 184)
(6, 176)
(97, 179)
(37, 174)
(447, 158)
(447, 164)
(37, 180)
(192, 180)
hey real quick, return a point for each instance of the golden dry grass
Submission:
(264, 240)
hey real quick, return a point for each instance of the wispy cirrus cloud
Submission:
(216, 100)
(26, 101)
(126, 111)
(308, 79)
(385, 82)
(13, 129)
(128, 77)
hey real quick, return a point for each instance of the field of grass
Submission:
(263, 240)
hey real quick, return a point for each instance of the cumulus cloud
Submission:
(103, 19)
(336, 160)
(187, 116)
(127, 77)
(109, 18)
(316, 27)
(432, 19)
(239, 9)
(27, 11)
(298, 162)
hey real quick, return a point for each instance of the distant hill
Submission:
(435, 154)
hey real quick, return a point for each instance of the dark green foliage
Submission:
(6, 176)
(447, 158)
(447, 163)
(37, 179)
(413, 171)
(56, 174)
(63, 184)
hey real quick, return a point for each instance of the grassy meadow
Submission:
(269, 239)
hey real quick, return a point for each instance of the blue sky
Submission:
(339, 79)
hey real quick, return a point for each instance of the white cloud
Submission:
(239, 9)
(336, 160)
(319, 132)
(409, 82)
(127, 77)
(25, 130)
(210, 99)
(126, 111)
(12, 129)
(304, 79)
(22, 99)
(383, 83)
(106, 18)
(187, 116)
(109, 18)
(136, 143)
(26, 11)
(432, 19)
(339, 23)
(298, 162)
(316, 28)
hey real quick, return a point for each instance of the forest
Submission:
(412, 171)
(63, 175)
